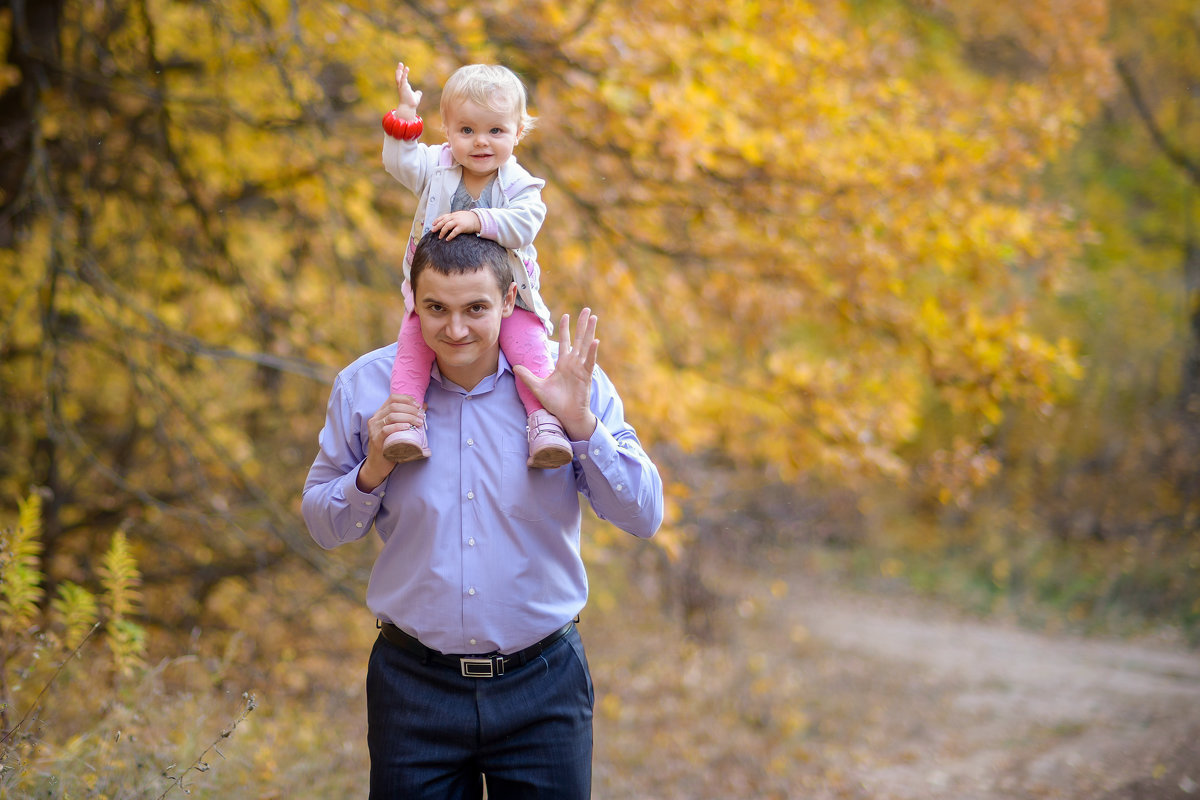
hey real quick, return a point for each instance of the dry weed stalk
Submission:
(37, 700)
(200, 765)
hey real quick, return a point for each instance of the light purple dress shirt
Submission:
(480, 552)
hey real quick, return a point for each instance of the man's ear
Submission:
(510, 300)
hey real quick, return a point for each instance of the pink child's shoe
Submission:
(406, 445)
(548, 445)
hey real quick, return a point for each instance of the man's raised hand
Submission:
(567, 391)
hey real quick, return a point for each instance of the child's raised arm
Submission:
(409, 98)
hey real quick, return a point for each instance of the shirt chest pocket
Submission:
(529, 494)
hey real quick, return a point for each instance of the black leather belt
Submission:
(488, 666)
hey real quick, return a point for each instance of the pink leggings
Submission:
(522, 338)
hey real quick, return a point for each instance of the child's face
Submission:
(481, 139)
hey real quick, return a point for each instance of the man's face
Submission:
(460, 321)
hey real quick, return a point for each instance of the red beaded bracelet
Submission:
(404, 129)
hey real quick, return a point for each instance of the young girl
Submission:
(472, 184)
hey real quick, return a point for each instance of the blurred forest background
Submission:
(911, 287)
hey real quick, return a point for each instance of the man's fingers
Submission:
(591, 328)
(564, 335)
(587, 331)
(585, 336)
(581, 330)
(528, 377)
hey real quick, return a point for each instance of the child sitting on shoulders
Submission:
(472, 184)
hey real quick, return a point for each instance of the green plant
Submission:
(120, 577)
(40, 641)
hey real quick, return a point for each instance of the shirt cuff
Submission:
(601, 448)
(363, 505)
(488, 228)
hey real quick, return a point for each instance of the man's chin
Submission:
(455, 352)
(456, 356)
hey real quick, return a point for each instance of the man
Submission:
(478, 670)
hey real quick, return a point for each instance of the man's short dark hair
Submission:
(463, 254)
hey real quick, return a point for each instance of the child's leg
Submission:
(410, 376)
(523, 340)
(414, 359)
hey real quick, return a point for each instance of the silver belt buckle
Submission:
(480, 667)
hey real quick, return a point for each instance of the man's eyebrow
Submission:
(480, 301)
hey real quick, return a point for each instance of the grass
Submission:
(984, 566)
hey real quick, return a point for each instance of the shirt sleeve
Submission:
(614, 473)
(411, 163)
(515, 225)
(334, 509)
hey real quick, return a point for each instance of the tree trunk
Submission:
(34, 50)
(1189, 387)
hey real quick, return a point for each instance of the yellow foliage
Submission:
(809, 230)
(77, 610)
(120, 577)
(20, 568)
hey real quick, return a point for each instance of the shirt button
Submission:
(596, 452)
(474, 642)
(471, 443)
(470, 495)
(619, 487)
(471, 591)
(471, 542)
(583, 456)
(358, 524)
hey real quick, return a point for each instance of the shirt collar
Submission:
(485, 385)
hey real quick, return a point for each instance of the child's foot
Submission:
(407, 445)
(548, 445)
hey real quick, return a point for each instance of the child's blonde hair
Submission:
(491, 86)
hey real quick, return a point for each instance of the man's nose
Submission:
(457, 327)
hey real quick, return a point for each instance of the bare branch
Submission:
(1168, 148)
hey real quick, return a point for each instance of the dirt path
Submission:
(807, 691)
(1021, 714)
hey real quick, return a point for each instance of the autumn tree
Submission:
(1096, 511)
(1158, 61)
(1119, 465)
(813, 232)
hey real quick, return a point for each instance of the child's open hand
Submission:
(409, 98)
(447, 226)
